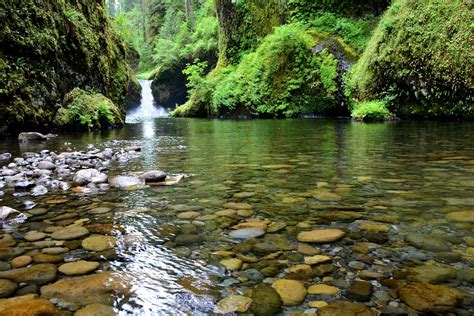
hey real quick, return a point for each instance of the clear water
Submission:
(413, 173)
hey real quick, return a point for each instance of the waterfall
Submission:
(148, 109)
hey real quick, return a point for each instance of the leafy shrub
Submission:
(371, 111)
(282, 78)
(87, 110)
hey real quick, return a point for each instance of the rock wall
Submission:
(49, 47)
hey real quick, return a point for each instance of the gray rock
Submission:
(153, 176)
(24, 185)
(31, 136)
(48, 165)
(86, 176)
(11, 217)
(125, 182)
(39, 190)
(246, 233)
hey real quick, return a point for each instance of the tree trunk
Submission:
(188, 9)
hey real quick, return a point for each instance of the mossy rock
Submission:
(49, 47)
(87, 110)
(134, 94)
(420, 60)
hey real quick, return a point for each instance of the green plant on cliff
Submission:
(87, 110)
(281, 78)
(420, 60)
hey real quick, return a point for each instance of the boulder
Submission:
(430, 298)
(46, 165)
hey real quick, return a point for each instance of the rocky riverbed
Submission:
(81, 236)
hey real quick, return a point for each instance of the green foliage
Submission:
(356, 32)
(195, 75)
(178, 43)
(420, 60)
(282, 78)
(371, 111)
(87, 110)
(305, 10)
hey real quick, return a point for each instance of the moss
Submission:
(87, 110)
(50, 47)
(370, 111)
(420, 60)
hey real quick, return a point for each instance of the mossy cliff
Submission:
(50, 47)
(420, 60)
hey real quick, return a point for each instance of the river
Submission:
(392, 187)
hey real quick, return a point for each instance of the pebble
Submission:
(323, 289)
(231, 264)
(317, 259)
(246, 233)
(233, 303)
(7, 288)
(359, 291)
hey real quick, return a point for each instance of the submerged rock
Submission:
(125, 182)
(7, 288)
(266, 300)
(321, 235)
(246, 233)
(70, 233)
(96, 288)
(11, 217)
(84, 177)
(430, 298)
(233, 303)
(78, 267)
(292, 292)
(28, 305)
(39, 274)
(32, 136)
(96, 310)
(339, 308)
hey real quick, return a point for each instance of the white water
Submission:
(148, 108)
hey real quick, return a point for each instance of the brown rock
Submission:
(96, 288)
(292, 292)
(105, 229)
(28, 305)
(20, 261)
(343, 308)
(38, 274)
(308, 250)
(321, 235)
(430, 298)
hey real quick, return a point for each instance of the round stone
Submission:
(231, 264)
(21, 261)
(35, 236)
(7, 288)
(292, 292)
(233, 303)
(69, 233)
(317, 259)
(246, 233)
(323, 289)
(78, 267)
(321, 235)
(99, 243)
